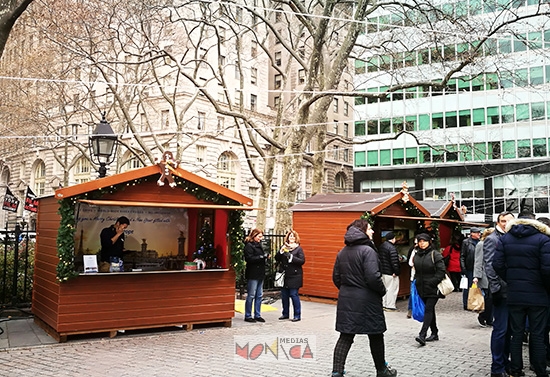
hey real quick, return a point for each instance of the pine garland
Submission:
(65, 235)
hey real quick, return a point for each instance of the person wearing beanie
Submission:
(429, 271)
(390, 268)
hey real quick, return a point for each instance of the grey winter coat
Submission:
(357, 275)
(479, 267)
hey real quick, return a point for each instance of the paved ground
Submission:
(462, 351)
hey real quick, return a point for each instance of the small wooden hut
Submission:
(322, 220)
(155, 290)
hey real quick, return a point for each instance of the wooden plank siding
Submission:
(321, 237)
(120, 301)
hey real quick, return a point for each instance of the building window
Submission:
(253, 75)
(165, 119)
(237, 97)
(227, 171)
(222, 35)
(335, 152)
(40, 178)
(301, 76)
(346, 155)
(237, 71)
(201, 153)
(220, 126)
(133, 163)
(253, 102)
(340, 182)
(201, 121)
(278, 58)
(346, 108)
(278, 81)
(254, 49)
(346, 130)
(335, 105)
(82, 170)
(276, 101)
(335, 126)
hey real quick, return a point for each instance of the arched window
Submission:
(227, 170)
(40, 178)
(131, 162)
(340, 182)
(82, 170)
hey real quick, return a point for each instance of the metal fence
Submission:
(16, 267)
(271, 244)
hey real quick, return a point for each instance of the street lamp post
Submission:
(103, 144)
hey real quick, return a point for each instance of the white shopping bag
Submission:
(464, 282)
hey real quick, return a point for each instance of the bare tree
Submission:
(9, 13)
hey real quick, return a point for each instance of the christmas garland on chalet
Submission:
(65, 236)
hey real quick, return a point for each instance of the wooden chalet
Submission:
(321, 221)
(77, 303)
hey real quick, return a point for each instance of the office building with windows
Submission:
(483, 136)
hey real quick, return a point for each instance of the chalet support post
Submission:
(15, 264)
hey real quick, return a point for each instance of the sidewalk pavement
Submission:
(26, 351)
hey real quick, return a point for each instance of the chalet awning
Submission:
(126, 203)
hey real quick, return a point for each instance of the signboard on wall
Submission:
(153, 232)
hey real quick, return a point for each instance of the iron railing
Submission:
(16, 268)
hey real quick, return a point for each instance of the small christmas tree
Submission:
(205, 244)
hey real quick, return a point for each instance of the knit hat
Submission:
(389, 236)
(424, 236)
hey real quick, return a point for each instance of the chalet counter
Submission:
(110, 302)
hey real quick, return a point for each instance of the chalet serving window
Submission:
(157, 238)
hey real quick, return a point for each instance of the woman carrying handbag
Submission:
(291, 258)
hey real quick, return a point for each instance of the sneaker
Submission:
(295, 320)
(337, 374)
(259, 319)
(250, 319)
(386, 372)
(481, 322)
(283, 317)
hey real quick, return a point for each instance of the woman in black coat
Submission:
(255, 272)
(357, 275)
(429, 271)
(290, 259)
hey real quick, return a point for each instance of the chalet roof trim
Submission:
(147, 171)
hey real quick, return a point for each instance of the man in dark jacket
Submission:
(467, 257)
(357, 276)
(522, 259)
(500, 336)
(389, 266)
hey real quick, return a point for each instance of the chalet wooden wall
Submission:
(321, 237)
(110, 302)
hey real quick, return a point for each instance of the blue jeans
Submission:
(537, 326)
(500, 338)
(254, 292)
(286, 295)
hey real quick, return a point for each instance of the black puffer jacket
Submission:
(255, 261)
(357, 275)
(294, 275)
(389, 259)
(429, 271)
(522, 259)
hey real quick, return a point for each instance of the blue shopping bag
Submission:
(417, 305)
